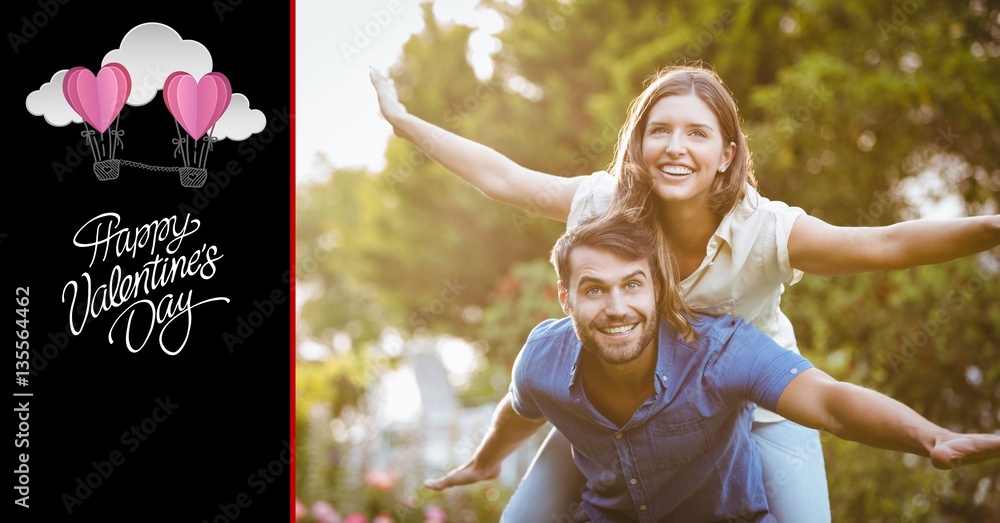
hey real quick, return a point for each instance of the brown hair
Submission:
(633, 193)
(630, 240)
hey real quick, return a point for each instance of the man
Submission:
(660, 425)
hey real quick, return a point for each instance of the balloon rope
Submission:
(91, 141)
(194, 156)
(209, 139)
(183, 146)
(117, 141)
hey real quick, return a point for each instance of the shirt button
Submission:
(633, 481)
(642, 507)
(618, 435)
(794, 371)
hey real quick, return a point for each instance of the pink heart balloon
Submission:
(197, 105)
(97, 99)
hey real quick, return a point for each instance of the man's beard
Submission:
(615, 353)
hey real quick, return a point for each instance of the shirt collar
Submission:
(744, 208)
(577, 348)
(666, 338)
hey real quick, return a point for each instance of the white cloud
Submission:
(239, 121)
(50, 102)
(150, 52)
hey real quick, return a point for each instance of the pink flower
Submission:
(300, 510)
(383, 518)
(355, 518)
(323, 512)
(435, 514)
(381, 480)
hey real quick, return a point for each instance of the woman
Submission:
(682, 164)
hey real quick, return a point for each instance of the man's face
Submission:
(612, 302)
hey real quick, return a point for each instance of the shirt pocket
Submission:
(677, 444)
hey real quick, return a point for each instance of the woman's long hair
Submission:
(634, 196)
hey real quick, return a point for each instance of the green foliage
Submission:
(525, 296)
(929, 338)
(842, 100)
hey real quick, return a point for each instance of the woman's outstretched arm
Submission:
(495, 175)
(817, 247)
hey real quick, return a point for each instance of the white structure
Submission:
(421, 425)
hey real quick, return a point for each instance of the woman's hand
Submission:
(388, 99)
(495, 175)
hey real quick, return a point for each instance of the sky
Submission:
(337, 112)
(337, 115)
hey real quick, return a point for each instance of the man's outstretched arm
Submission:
(854, 413)
(508, 431)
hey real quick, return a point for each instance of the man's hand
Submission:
(964, 449)
(854, 413)
(508, 431)
(465, 475)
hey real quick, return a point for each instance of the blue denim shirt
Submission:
(686, 454)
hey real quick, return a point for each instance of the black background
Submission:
(233, 407)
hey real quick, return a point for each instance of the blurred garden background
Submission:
(416, 292)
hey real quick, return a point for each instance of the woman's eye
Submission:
(700, 134)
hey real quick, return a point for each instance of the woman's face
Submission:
(683, 149)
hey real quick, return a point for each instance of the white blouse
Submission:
(746, 265)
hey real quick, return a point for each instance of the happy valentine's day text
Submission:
(130, 291)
